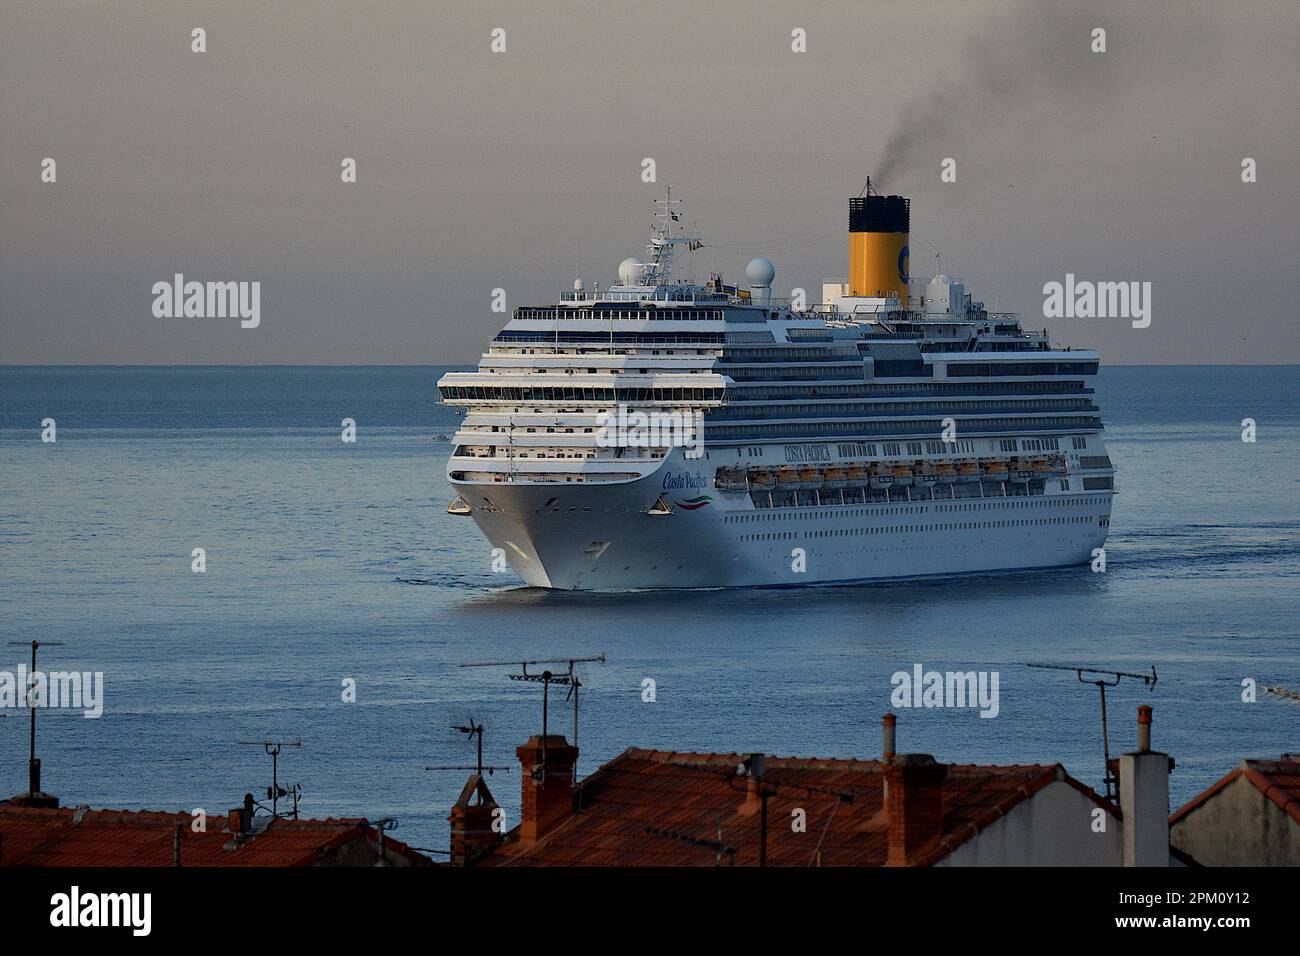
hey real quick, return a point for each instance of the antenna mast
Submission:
(274, 792)
(34, 764)
(1102, 683)
(663, 241)
(473, 730)
(546, 678)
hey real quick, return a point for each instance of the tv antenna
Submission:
(274, 792)
(718, 846)
(33, 764)
(1102, 683)
(382, 826)
(473, 730)
(752, 767)
(568, 678)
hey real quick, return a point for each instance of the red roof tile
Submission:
(69, 836)
(693, 795)
(1279, 780)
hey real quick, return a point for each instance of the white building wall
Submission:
(1238, 826)
(1054, 827)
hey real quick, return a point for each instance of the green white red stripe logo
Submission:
(690, 504)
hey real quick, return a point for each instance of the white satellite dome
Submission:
(760, 272)
(631, 270)
(577, 285)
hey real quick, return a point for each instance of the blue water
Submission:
(311, 544)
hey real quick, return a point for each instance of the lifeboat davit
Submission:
(882, 476)
(835, 478)
(968, 472)
(995, 469)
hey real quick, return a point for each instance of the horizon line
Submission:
(1104, 366)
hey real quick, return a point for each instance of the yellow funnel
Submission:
(878, 254)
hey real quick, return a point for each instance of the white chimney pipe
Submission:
(1144, 799)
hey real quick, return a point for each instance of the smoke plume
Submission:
(1034, 73)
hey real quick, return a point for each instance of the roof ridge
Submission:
(1205, 795)
(948, 842)
(668, 756)
(1282, 796)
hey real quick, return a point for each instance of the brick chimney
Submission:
(547, 768)
(913, 805)
(753, 765)
(1144, 799)
(240, 819)
(471, 820)
(34, 797)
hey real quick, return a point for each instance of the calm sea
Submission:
(328, 561)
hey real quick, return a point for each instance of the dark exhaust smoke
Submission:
(1033, 74)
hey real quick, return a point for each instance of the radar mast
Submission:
(659, 270)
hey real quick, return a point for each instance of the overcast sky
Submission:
(523, 169)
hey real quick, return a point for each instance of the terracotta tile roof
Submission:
(1278, 780)
(76, 836)
(692, 794)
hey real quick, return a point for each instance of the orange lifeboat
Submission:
(810, 478)
(1021, 470)
(855, 476)
(925, 474)
(787, 478)
(882, 476)
(902, 475)
(947, 473)
(834, 478)
(968, 471)
(995, 469)
(764, 480)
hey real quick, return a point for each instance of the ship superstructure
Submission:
(897, 429)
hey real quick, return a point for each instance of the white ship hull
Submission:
(666, 434)
(600, 536)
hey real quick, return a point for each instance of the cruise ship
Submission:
(667, 433)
